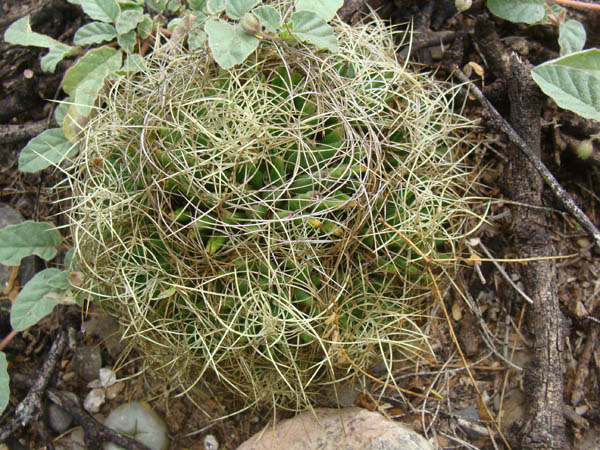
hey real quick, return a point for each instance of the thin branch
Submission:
(576, 4)
(562, 195)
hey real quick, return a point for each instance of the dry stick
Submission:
(576, 4)
(30, 409)
(562, 195)
(438, 295)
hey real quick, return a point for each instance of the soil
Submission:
(535, 368)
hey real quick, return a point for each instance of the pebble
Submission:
(59, 419)
(94, 400)
(87, 362)
(330, 428)
(210, 442)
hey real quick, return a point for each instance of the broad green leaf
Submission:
(84, 80)
(127, 41)
(573, 82)
(133, 64)
(46, 149)
(526, 11)
(4, 383)
(173, 5)
(130, 3)
(229, 44)
(571, 37)
(173, 23)
(157, 5)
(309, 27)
(53, 57)
(326, 9)
(215, 6)
(144, 28)
(94, 33)
(268, 17)
(61, 110)
(237, 8)
(196, 40)
(19, 33)
(197, 5)
(102, 10)
(73, 123)
(28, 238)
(32, 303)
(127, 20)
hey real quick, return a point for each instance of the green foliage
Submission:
(326, 9)
(526, 11)
(573, 82)
(310, 27)
(4, 383)
(571, 37)
(20, 33)
(39, 297)
(28, 238)
(42, 293)
(573, 79)
(46, 149)
(230, 44)
(95, 33)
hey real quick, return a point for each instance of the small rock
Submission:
(94, 400)
(114, 390)
(139, 422)
(87, 362)
(210, 442)
(59, 419)
(331, 429)
(78, 439)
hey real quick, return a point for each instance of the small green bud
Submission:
(462, 5)
(250, 23)
(585, 149)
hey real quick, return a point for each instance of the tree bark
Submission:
(546, 425)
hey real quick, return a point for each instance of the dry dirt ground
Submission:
(522, 391)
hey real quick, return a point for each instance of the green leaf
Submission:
(133, 64)
(28, 238)
(229, 44)
(32, 303)
(127, 20)
(130, 3)
(573, 82)
(526, 11)
(61, 110)
(268, 17)
(127, 41)
(94, 33)
(102, 10)
(571, 37)
(144, 28)
(84, 80)
(326, 9)
(215, 6)
(53, 57)
(196, 40)
(19, 33)
(157, 5)
(237, 8)
(197, 5)
(4, 383)
(309, 27)
(46, 149)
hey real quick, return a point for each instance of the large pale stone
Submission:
(337, 429)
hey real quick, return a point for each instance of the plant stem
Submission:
(576, 4)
